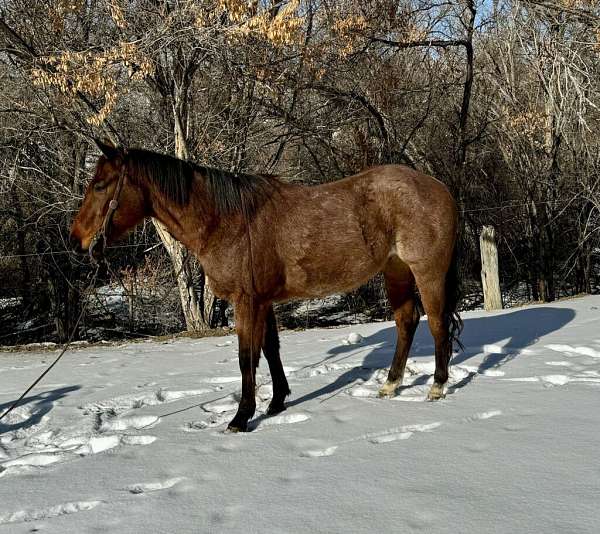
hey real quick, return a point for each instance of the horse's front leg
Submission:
(250, 325)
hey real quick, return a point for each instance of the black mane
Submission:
(229, 192)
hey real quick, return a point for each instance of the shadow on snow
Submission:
(515, 330)
(39, 405)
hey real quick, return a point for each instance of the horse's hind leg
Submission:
(271, 349)
(432, 289)
(400, 287)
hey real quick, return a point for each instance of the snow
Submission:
(130, 439)
(354, 338)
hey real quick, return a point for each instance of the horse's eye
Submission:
(99, 186)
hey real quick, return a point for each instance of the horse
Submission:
(261, 240)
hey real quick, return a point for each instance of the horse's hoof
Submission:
(436, 392)
(388, 389)
(275, 408)
(234, 429)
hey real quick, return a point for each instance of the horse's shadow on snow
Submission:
(514, 331)
(38, 406)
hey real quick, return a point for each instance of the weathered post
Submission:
(492, 298)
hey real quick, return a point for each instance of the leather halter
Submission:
(102, 232)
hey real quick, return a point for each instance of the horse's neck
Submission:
(191, 224)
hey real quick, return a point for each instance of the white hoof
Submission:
(389, 388)
(436, 392)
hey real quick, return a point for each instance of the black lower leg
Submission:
(247, 404)
(250, 325)
(407, 320)
(271, 349)
(443, 353)
(442, 359)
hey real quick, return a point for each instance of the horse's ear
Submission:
(108, 149)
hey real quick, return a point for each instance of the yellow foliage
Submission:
(58, 10)
(117, 13)
(348, 31)
(527, 122)
(280, 27)
(348, 25)
(569, 4)
(89, 73)
(238, 10)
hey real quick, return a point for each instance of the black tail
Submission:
(453, 297)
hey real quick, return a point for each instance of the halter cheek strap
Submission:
(100, 235)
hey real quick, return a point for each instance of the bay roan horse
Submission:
(261, 241)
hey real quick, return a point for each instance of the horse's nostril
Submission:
(75, 244)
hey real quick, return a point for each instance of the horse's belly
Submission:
(303, 282)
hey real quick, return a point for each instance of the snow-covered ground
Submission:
(129, 439)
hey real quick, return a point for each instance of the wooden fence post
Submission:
(492, 298)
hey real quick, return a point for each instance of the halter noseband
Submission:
(102, 232)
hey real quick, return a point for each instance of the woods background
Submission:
(498, 99)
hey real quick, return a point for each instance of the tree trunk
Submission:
(492, 297)
(189, 299)
(196, 311)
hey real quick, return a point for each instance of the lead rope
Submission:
(100, 235)
(66, 346)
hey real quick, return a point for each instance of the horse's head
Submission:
(111, 168)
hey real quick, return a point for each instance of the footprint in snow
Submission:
(23, 516)
(228, 360)
(214, 421)
(125, 403)
(285, 419)
(138, 440)
(98, 444)
(149, 487)
(386, 438)
(514, 427)
(568, 349)
(363, 392)
(318, 453)
(343, 417)
(35, 459)
(23, 422)
(470, 369)
(476, 446)
(222, 379)
(65, 448)
(129, 422)
(220, 406)
(398, 434)
(482, 416)
(555, 380)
